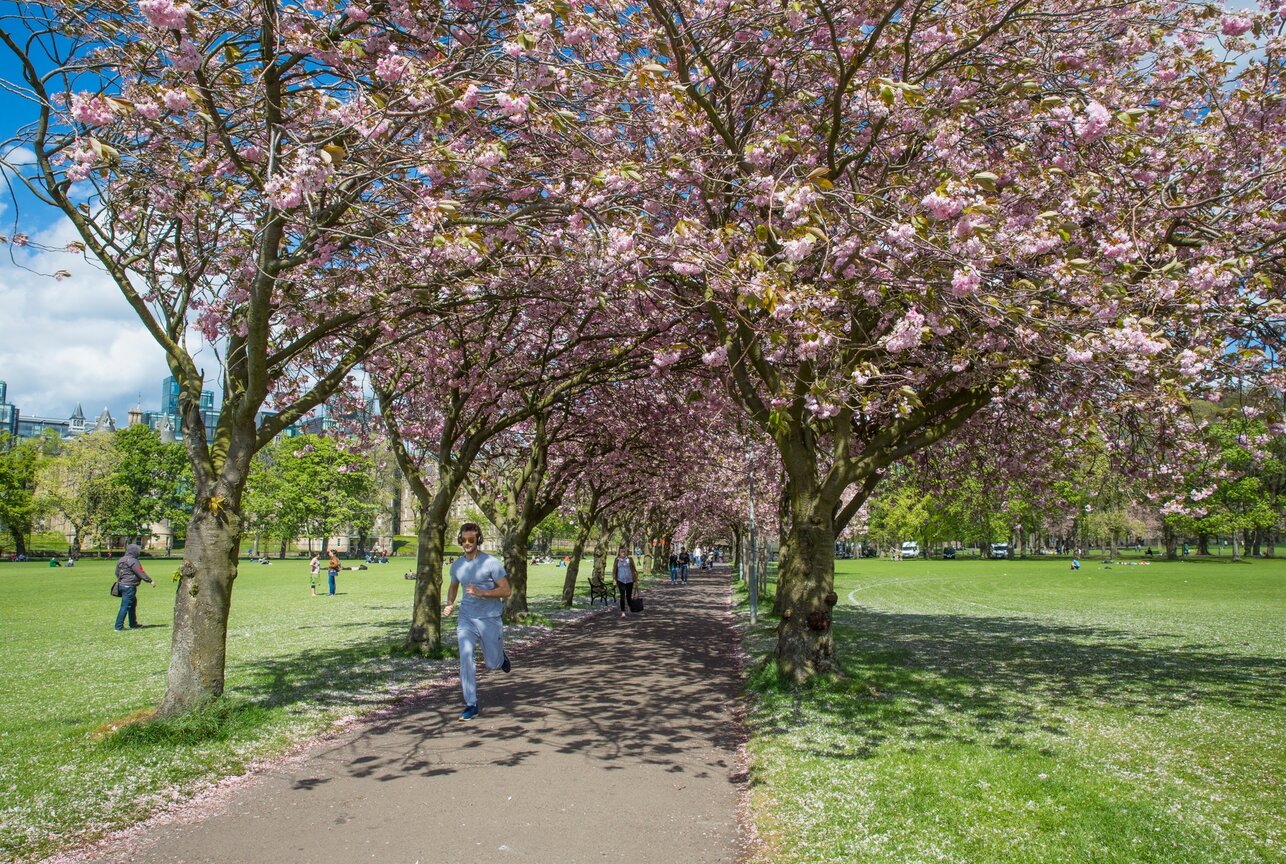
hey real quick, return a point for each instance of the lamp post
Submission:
(753, 580)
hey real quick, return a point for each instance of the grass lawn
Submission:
(1016, 711)
(296, 664)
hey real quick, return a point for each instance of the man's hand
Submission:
(447, 610)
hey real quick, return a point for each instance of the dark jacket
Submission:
(128, 571)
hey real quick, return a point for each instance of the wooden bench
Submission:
(600, 589)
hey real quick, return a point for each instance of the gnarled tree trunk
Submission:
(805, 646)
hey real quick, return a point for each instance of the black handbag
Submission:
(116, 589)
(636, 604)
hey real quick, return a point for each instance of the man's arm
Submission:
(451, 592)
(500, 592)
(142, 574)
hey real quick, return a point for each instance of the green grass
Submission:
(73, 767)
(1016, 711)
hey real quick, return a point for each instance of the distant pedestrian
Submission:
(626, 576)
(485, 588)
(332, 570)
(1076, 564)
(674, 568)
(129, 573)
(684, 560)
(314, 573)
(696, 557)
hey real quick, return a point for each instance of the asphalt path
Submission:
(615, 740)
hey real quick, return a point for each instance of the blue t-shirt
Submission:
(482, 572)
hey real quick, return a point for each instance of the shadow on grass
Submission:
(924, 678)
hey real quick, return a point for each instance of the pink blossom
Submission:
(686, 268)
(717, 357)
(356, 13)
(469, 100)
(906, 334)
(1094, 123)
(1236, 25)
(148, 109)
(797, 250)
(965, 282)
(665, 359)
(392, 67)
(165, 14)
(940, 206)
(92, 109)
(176, 100)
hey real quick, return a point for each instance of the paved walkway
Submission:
(614, 741)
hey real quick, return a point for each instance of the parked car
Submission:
(869, 551)
(910, 549)
(999, 550)
(948, 553)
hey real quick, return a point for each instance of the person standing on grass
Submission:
(332, 571)
(626, 576)
(485, 588)
(129, 573)
(314, 573)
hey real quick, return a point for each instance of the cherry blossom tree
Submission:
(270, 186)
(894, 214)
(485, 368)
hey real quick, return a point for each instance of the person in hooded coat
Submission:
(129, 573)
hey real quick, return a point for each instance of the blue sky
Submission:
(63, 342)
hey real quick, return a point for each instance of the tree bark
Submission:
(573, 568)
(805, 646)
(198, 645)
(425, 635)
(514, 549)
(19, 541)
(1171, 540)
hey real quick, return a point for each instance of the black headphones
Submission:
(468, 526)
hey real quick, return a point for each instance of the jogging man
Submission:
(485, 590)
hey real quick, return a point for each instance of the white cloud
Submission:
(70, 341)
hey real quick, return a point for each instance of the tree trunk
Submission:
(736, 552)
(1171, 541)
(1236, 544)
(805, 576)
(600, 554)
(425, 635)
(1270, 543)
(573, 569)
(19, 541)
(514, 549)
(198, 644)
(285, 541)
(1203, 544)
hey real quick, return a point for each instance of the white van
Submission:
(910, 549)
(999, 550)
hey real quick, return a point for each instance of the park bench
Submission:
(600, 589)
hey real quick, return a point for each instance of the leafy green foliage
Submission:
(310, 485)
(154, 480)
(20, 463)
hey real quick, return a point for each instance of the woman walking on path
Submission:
(332, 570)
(625, 576)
